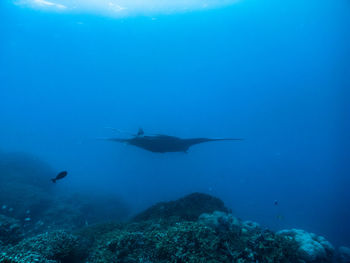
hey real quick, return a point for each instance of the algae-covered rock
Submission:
(188, 208)
(311, 248)
(191, 241)
(178, 231)
(223, 222)
(219, 221)
(10, 231)
(174, 232)
(57, 246)
(250, 225)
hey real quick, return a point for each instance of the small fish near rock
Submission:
(60, 176)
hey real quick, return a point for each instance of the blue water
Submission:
(276, 73)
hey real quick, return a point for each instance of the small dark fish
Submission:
(60, 176)
(276, 202)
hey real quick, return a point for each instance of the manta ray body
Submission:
(164, 143)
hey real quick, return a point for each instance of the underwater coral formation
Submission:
(312, 248)
(343, 255)
(177, 232)
(192, 241)
(73, 211)
(10, 230)
(56, 246)
(188, 208)
(28, 195)
(25, 191)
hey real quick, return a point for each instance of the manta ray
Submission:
(161, 143)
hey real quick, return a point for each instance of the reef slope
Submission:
(196, 228)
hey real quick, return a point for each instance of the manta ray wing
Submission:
(166, 143)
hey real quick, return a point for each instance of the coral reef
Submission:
(10, 230)
(78, 210)
(57, 246)
(192, 241)
(26, 169)
(219, 221)
(24, 186)
(188, 208)
(312, 248)
(175, 232)
(343, 255)
(28, 195)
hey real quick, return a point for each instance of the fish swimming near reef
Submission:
(164, 143)
(60, 176)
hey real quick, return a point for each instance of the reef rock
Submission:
(28, 195)
(57, 246)
(189, 241)
(312, 248)
(188, 208)
(188, 230)
(10, 232)
(73, 211)
(25, 187)
(343, 255)
(196, 228)
(219, 221)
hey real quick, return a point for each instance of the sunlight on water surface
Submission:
(122, 8)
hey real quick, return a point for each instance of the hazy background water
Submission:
(275, 73)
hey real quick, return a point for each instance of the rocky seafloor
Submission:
(38, 224)
(196, 228)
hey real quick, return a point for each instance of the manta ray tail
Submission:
(112, 139)
(194, 141)
(217, 139)
(228, 139)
